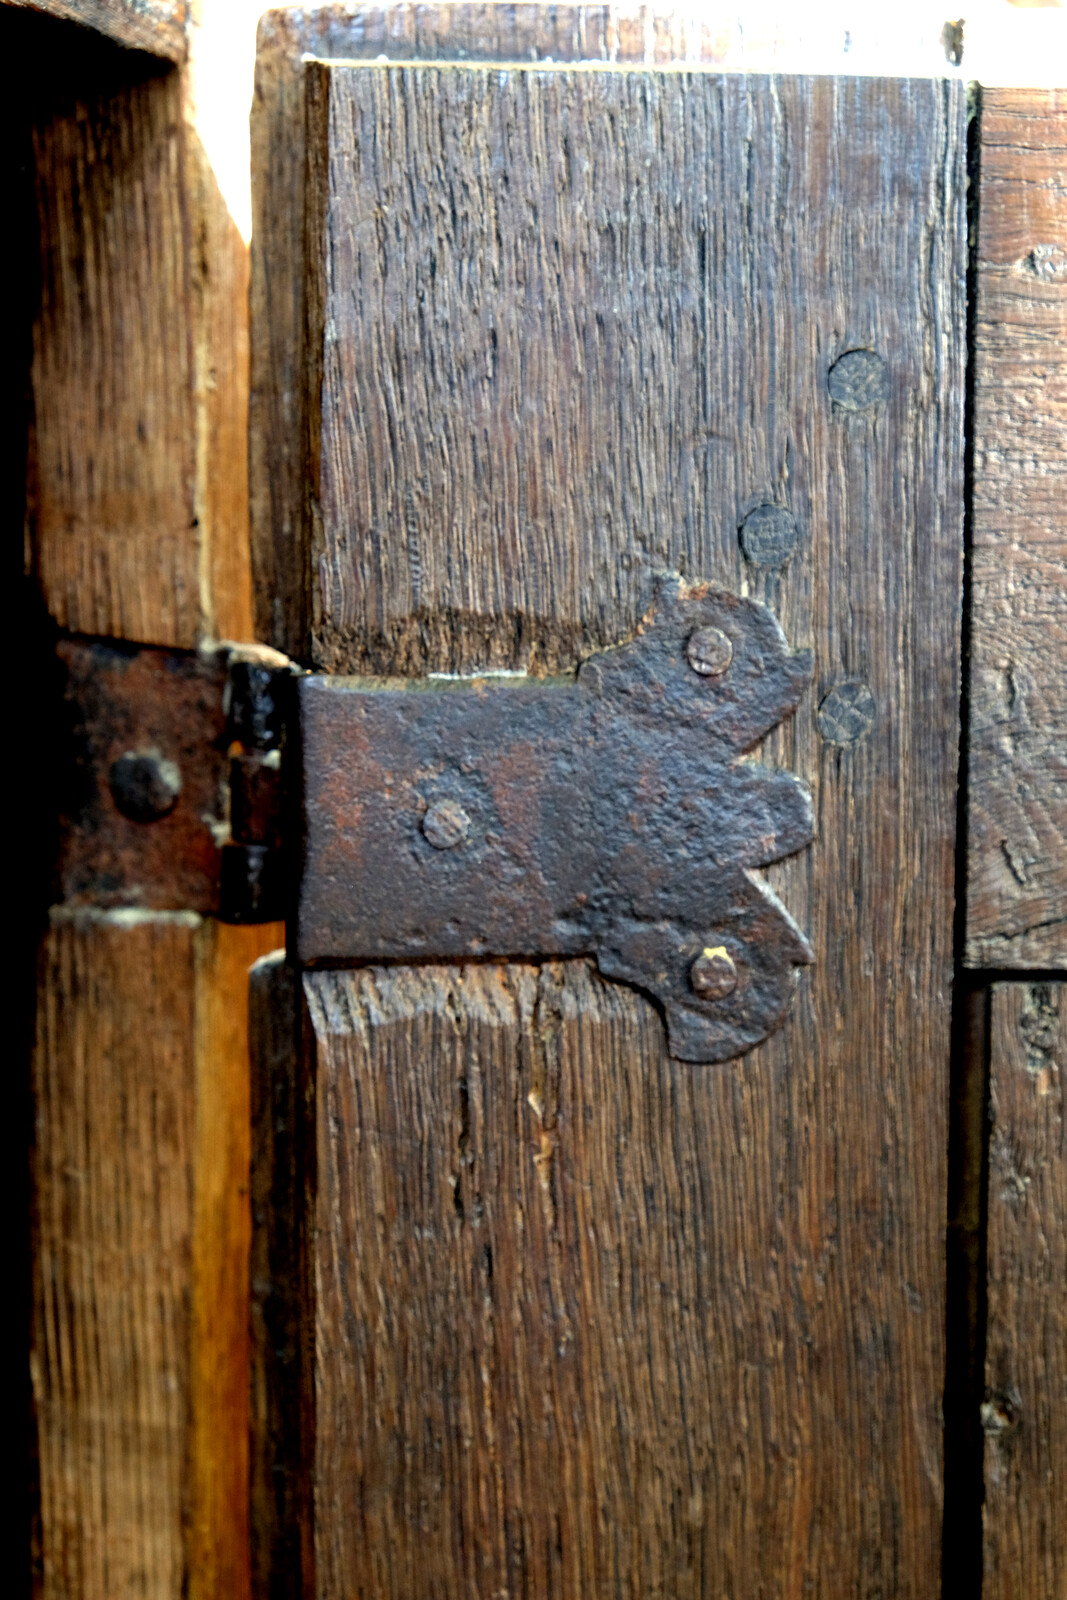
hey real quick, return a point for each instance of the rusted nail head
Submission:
(768, 536)
(709, 652)
(144, 785)
(858, 380)
(846, 713)
(713, 975)
(446, 824)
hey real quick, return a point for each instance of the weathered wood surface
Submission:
(158, 26)
(138, 484)
(1025, 1411)
(526, 31)
(113, 464)
(785, 1212)
(275, 1476)
(140, 1344)
(1017, 797)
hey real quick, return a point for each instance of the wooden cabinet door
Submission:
(543, 1309)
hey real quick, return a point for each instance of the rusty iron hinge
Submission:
(608, 816)
(170, 778)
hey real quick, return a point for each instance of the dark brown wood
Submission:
(710, 1358)
(275, 1475)
(216, 1496)
(137, 530)
(1017, 798)
(1025, 1409)
(140, 1343)
(158, 26)
(115, 1117)
(138, 483)
(113, 465)
(527, 31)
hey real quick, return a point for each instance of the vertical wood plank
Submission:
(812, 1200)
(217, 1543)
(1025, 1411)
(277, 1213)
(113, 465)
(138, 482)
(526, 31)
(140, 1341)
(1017, 792)
(115, 1113)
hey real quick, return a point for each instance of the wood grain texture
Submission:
(275, 1477)
(801, 1244)
(114, 460)
(522, 407)
(157, 26)
(1025, 1412)
(138, 482)
(1017, 797)
(217, 1494)
(140, 1347)
(527, 31)
(219, 318)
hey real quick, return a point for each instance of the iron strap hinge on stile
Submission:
(608, 816)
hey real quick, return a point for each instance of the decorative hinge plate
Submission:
(608, 816)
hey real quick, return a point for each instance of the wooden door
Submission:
(543, 1309)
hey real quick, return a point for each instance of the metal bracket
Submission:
(168, 774)
(608, 816)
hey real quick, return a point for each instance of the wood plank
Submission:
(217, 1523)
(158, 26)
(140, 1348)
(1025, 1412)
(138, 485)
(788, 1209)
(275, 1476)
(526, 31)
(1017, 795)
(113, 465)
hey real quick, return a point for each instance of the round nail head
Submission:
(858, 380)
(144, 785)
(846, 713)
(768, 536)
(713, 975)
(709, 652)
(446, 824)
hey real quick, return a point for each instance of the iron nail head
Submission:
(858, 381)
(713, 974)
(144, 785)
(446, 824)
(709, 652)
(846, 713)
